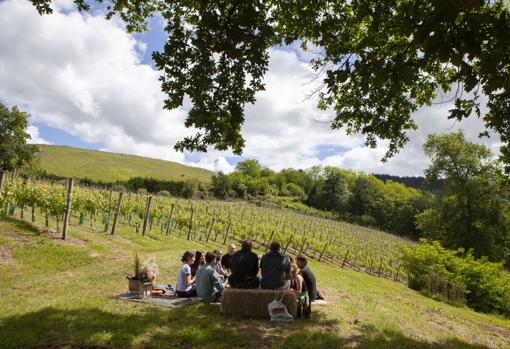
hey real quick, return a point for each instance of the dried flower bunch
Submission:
(148, 270)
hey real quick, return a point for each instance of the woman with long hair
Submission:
(199, 261)
(298, 285)
(185, 281)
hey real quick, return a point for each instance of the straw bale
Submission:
(253, 302)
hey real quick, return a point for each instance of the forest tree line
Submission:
(355, 197)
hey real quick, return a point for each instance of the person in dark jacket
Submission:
(275, 269)
(244, 266)
(306, 273)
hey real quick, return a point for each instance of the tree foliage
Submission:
(472, 211)
(250, 168)
(14, 150)
(379, 61)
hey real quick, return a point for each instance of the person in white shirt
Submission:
(185, 282)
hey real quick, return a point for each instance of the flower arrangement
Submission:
(143, 272)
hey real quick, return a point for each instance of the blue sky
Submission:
(154, 38)
(58, 136)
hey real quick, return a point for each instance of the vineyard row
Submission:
(360, 248)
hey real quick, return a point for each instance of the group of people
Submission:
(206, 275)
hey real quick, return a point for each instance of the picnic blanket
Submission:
(166, 301)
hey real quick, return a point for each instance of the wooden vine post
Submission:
(288, 244)
(169, 223)
(398, 271)
(227, 231)
(210, 230)
(345, 258)
(117, 213)
(107, 223)
(147, 214)
(380, 268)
(323, 250)
(302, 246)
(190, 223)
(270, 240)
(70, 185)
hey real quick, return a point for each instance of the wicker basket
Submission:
(135, 286)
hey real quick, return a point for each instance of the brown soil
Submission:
(6, 256)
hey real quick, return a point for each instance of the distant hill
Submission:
(109, 167)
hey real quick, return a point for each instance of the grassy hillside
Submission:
(56, 294)
(98, 165)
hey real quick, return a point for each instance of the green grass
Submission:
(108, 167)
(56, 294)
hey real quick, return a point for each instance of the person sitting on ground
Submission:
(275, 268)
(219, 269)
(185, 287)
(298, 285)
(245, 267)
(199, 261)
(209, 285)
(225, 260)
(308, 277)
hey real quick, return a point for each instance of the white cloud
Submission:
(63, 5)
(35, 138)
(214, 161)
(83, 74)
(282, 128)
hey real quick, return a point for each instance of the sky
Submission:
(88, 83)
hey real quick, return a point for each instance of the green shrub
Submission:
(119, 188)
(457, 277)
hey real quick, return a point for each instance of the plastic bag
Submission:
(278, 312)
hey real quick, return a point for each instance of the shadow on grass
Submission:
(200, 325)
(23, 225)
(95, 328)
(371, 337)
(197, 326)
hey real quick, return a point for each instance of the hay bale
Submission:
(253, 303)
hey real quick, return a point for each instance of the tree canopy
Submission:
(379, 61)
(472, 211)
(14, 150)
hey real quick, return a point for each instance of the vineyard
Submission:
(61, 204)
